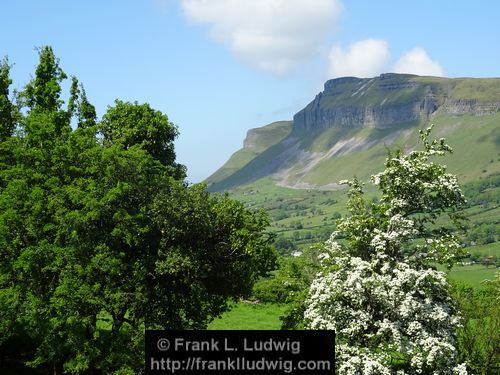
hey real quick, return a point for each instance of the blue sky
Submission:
(220, 67)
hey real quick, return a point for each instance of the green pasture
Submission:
(474, 275)
(246, 315)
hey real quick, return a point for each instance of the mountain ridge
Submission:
(348, 126)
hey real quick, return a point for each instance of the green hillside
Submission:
(476, 141)
(259, 140)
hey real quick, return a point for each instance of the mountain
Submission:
(346, 129)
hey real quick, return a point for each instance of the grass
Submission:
(473, 275)
(250, 316)
(294, 211)
(295, 214)
(485, 215)
(475, 140)
(263, 138)
(266, 316)
(298, 210)
(478, 89)
(369, 92)
(488, 249)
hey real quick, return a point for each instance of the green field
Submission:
(473, 275)
(246, 315)
(308, 216)
(305, 217)
(488, 249)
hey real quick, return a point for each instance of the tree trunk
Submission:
(58, 368)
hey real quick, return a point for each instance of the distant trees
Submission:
(483, 233)
(484, 192)
(392, 312)
(100, 237)
(284, 245)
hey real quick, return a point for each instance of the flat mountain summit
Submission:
(347, 128)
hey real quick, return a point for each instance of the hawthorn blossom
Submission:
(392, 312)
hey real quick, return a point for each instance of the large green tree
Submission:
(100, 237)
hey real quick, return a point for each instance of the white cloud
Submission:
(270, 35)
(417, 61)
(366, 58)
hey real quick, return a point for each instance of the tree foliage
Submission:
(479, 336)
(7, 108)
(100, 237)
(392, 312)
(129, 124)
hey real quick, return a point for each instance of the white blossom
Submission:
(385, 307)
(415, 324)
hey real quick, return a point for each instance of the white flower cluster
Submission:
(444, 249)
(383, 312)
(354, 362)
(419, 181)
(400, 229)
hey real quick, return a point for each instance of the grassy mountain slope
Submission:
(257, 141)
(347, 128)
(476, 141)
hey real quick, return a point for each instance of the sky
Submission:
(218, 68)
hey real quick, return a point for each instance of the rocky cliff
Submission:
(386, 101)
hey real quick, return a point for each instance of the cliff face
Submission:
(386, 101)
(373, 116)
(473, 106)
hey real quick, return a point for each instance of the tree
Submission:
(288, 282)
(392, 312)
(479, 336)
(79, 105)
(8, 117)
(7, 109)
(138, 124)
(100, 237)
(211, 248)
(44, 91)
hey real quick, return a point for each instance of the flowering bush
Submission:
(392, 312)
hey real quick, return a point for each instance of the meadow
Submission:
(250, 315)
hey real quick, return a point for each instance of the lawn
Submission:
(264, 316)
